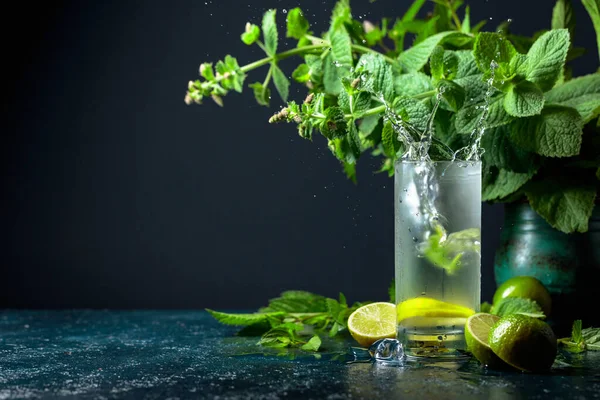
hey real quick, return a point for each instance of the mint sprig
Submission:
(365, 85)
(582, 339)
(296, 319)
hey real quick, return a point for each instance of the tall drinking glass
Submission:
(438, 258)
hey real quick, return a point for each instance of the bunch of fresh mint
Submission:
(295, 319)
(582, 339)
(541, 140)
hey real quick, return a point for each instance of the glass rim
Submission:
(401, 161)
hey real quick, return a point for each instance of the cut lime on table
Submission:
(477, 332)
(427, 307)
(524, 342)
(373, 322)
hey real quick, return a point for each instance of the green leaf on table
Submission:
(576, 335)
(297, 25)
(262, 94)
(546, 58)
(313, 344)
(492, 47)
(270, 34)
(498, 183)
(241, 319)
(297, 301)
(591, 338)
(563, 16)
(412, 84)
(524, 100)
(467, 118)
(565, 205)
(282, 83)
(583, 94)
(556, 132)
(251, 34)
(593, 9)
(416, 57)
(517, 305)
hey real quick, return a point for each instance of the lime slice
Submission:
(527, 287)
(430, 308)
(477, 332)
(524, 342)
(373, 322)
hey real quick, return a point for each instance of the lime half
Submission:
(373, 322)
(524, 342)
(477, 332)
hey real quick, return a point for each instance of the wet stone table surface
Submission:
(185, 354)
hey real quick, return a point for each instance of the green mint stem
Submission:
(363, 49)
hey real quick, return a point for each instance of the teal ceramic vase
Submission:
(567, 264)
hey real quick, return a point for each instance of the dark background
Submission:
(115, 194)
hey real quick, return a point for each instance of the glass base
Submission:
(433, 343)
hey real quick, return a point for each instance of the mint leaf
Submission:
(467, 118)
(517, 305)
(524, 100)
(576, 335)
(593, 9)
(297, 25)
(297, 302)
(591, 338)
(334, 125)
(452, 94)
(233, 75)
(301, 73)
(332, 76)
(563, 16)
(581, 93)
(380, 75)
(241, 319)
(412, 111)
(269, 28)
(436, 62)
(502, 153)
(389, 140)
(485, 307)
(354, 139)
(261, 94)
(546, 58)
(467, 66)
(566, 206)
(361, 102)
(341, 48)
(416, 57)
(412, 84)
(282, 83)
(206, 71)
(492, 47)
(341, 13)
(556, 132)
(251, 34)
(313, 344)
(498, 183)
